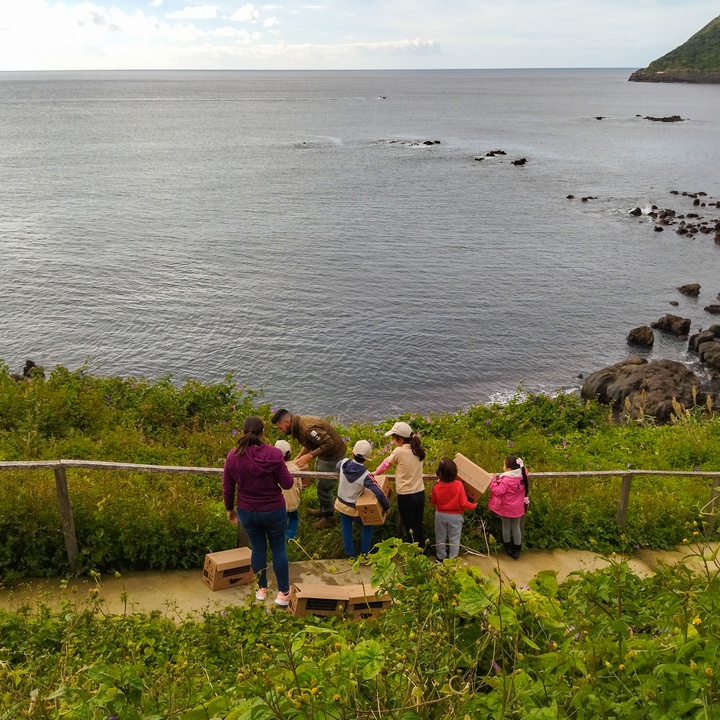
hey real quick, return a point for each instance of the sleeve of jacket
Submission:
(498, 487)
(370, 483)
(387, 462)
(433, 495)
(228, 485)
(319, 440)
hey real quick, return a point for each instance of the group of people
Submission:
(261, 493)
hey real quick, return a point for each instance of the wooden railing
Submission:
(59, 467)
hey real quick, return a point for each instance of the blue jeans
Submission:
(293, 520)
(263, 528)
(346, 528)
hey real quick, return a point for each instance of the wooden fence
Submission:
(60, 467)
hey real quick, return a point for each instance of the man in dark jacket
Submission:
(320, 441)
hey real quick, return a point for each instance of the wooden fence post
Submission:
(66, 517)
(624, 499)
(713, 507)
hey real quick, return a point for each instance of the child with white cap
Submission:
(407, 457)
(292, 496)
(354, 478)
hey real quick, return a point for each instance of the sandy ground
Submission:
(180, 593)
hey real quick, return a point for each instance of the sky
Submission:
(343, 34)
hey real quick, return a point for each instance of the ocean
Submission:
(294, 228)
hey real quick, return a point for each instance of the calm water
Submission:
(286, 227)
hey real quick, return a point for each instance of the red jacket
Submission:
(451, 498)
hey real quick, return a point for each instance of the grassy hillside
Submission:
(697, 60)
(137, 521)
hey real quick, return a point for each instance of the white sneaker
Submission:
(282, 599)
(261, 594)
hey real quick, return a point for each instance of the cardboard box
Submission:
(366, 602)
(358, 602)
(227, 568)
(473, 477)
(368, 506)
(314, 599)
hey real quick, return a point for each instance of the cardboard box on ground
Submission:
(357, 602)
(227, 568)
(473, 477)
(368, 506)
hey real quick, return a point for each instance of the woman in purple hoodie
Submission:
(259, 473)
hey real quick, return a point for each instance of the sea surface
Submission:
(292, 227)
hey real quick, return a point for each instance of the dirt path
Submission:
(180, 593)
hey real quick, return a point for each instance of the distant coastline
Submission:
(676, 76)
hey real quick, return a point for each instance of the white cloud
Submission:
(194, 12)
(271, 22)
(247, 13)
(156, 3)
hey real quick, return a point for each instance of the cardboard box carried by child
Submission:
(227, 568)
(473, 477)
(358, 602)
(368, 506)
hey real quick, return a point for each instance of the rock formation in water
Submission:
(695, 61)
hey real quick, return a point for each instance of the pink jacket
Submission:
(507, 495)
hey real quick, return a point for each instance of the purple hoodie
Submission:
(259, 476)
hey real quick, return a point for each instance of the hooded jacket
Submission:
(507, 494)
(354, 478)
(259, 476)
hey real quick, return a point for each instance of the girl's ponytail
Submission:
(513, 462)
(253, 428)
(416, 447)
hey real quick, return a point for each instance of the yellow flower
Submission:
(621, 666)
(696, 533)
(314, 691)
(684, 540)
(336, 696)
(708, 671)
(696, 621)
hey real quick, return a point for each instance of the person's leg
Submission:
(441, 535)
(506, 535)
(275, 522)
(406, 513)
(293, 520)
(346, 529)
(258, 545)
(366, 536)
(325, 487)
(515, 528)
(455, 523)
(418, 511)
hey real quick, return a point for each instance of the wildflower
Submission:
(696, 621)
(637, 547)
(696, 533)
(234, 432)
(487, 422)
(336, 697)
(564, 443)
(697, 467)
(621, 666)
(510, 443)
(629, 464)
(346, 439)
(534, 399)
(224, 614)
(684, 540)
(708, 671)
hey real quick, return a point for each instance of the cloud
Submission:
(247, 13)
(194, 12)
(156, 3)
(271, 22)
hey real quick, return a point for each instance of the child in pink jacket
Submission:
(509, 499)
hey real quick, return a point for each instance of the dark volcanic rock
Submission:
(637, 212)
(674, 303)
(658, 228)
(698, 339)
(649, 386)
(691, 289)
(667, 118)
(712, 309)
(642, 336)
(710, 356)
(521, 161)
(673, 324)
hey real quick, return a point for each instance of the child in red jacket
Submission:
(450, 501)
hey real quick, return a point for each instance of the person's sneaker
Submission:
(314, 512)
(261, 594)
(324, 522)
(282, 599)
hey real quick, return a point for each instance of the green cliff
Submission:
(695, 61)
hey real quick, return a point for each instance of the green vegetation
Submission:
(148, 521)
(453, 645)
(697, 60)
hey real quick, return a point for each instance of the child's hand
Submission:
(527, 501)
